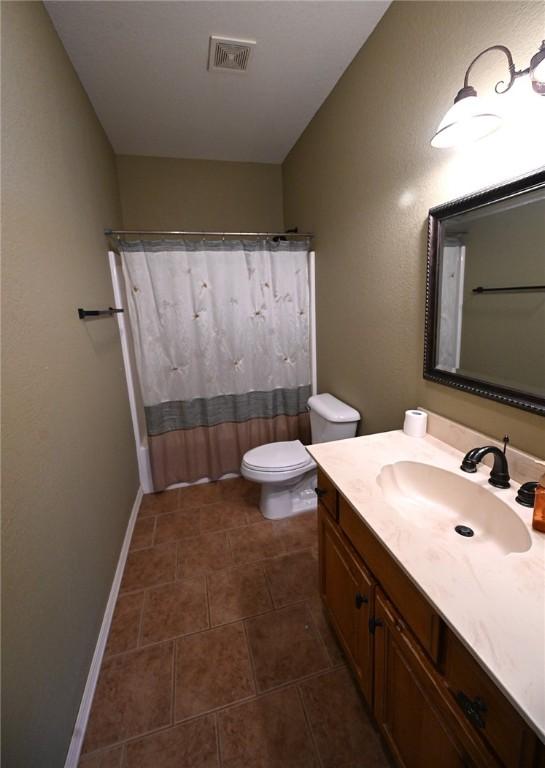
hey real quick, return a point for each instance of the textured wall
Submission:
(69, 477)
(363, 176)
(165, 193)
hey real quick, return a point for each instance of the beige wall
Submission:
(69, 476)
(363, 176)
(165, 193)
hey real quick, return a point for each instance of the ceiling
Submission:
(144, 67)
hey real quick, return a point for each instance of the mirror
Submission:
(485, 297)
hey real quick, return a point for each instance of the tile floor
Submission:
(219, 655)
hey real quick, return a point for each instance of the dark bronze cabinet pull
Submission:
(373, 624)
(320, 492)
(473, 709)
(360, 599)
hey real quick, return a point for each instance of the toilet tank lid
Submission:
(330, 408)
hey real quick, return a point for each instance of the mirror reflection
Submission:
(491, 302)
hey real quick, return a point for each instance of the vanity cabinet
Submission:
(431, 700)
(348, 592)
(485, 707)
(407, 702)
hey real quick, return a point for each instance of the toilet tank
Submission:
(331, 419)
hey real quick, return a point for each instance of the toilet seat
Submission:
(278, 457)
(277, 463)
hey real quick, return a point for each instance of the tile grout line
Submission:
(215, 711)
(173, 691)
(207, 596)
(256, 697)
(141, 620)
(268, 586)
(241, 619)
(226, 530)
(309, 725)
(154, 532)
(250, 655)
(317, 630)
(217, 734)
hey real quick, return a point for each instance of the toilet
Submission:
(286, 471)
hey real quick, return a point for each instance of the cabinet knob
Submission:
(320, 492)
(373, 623)
(473, 709)
(360, 600)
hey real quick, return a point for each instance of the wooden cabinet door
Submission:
(327, 494)
(348, 593)
(405, 699)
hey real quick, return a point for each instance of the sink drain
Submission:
(464, 530)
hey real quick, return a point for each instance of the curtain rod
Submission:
(117, 232)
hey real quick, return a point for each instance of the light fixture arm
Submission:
(469, 119)
(513, 73)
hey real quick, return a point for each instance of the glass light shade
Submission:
(537, 70)
(467, 120)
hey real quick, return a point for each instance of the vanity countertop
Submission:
(495, 604)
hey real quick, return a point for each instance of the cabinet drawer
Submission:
(415, 609)
(486, 708)
(327, 494)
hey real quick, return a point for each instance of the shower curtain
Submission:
(222, 346)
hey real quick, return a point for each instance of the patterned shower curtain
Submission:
(222, 346)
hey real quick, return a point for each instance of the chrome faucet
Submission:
(499, 475)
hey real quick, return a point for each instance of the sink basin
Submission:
(442, 501)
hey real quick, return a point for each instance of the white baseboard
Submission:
(80, 727)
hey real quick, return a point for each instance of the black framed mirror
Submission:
(485, 293)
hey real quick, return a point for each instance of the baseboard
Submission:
(74, 750)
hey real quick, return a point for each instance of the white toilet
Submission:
(286, 471)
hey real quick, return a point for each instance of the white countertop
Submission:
(495, 603)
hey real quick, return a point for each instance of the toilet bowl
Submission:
(286, 471)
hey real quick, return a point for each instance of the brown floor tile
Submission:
(240, 489)
(157, 503)
(255, 542)
(133, 696)
(106, 758)
(143, 533)
(212, 670)
(299, 532)
(237, 593)
(174, 609)
(342, 729)
(269, 732)
(222, 515)
(328, 636)
(285, 646)
(149, 567)
(293, 577)
(253, 514)
(198, 495)
(177, 525)
(192, 745)
(203, 554)
(125, 623)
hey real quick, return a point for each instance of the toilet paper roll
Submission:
(415, 424)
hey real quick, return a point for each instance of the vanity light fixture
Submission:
(469, 118)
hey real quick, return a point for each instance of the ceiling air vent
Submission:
(228, 54)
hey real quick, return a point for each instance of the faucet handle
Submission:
(505, 442)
